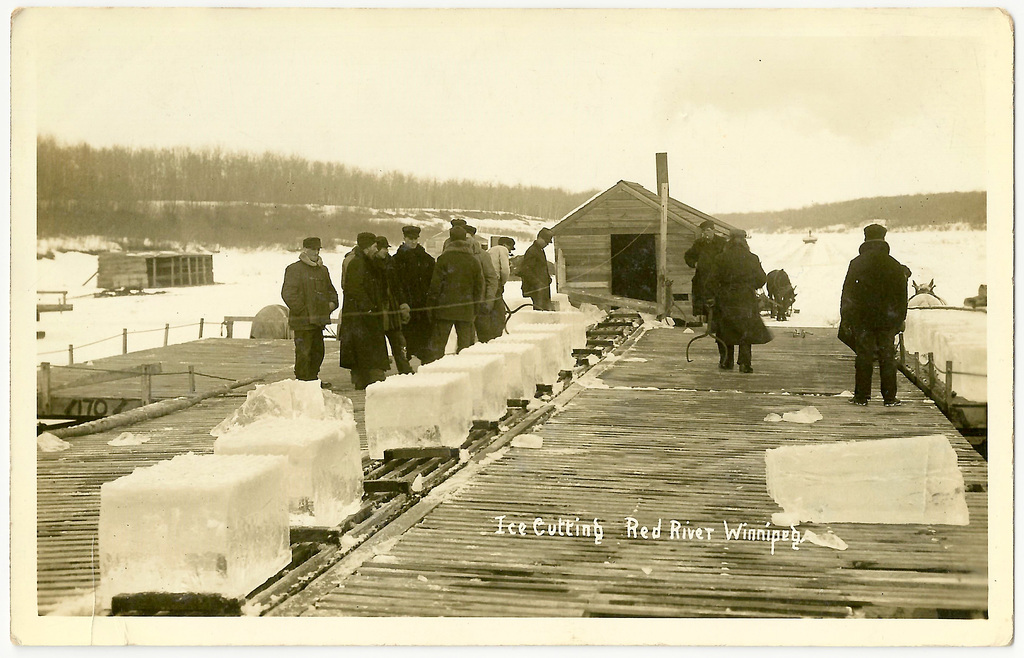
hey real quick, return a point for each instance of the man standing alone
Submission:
(311, 298)
(873, 309)
(534, 272)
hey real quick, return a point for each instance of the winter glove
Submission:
(485, 307)
(710, 303)
(406, 314)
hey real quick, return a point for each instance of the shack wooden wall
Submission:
(585, 245)
(121, 271)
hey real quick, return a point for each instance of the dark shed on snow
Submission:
(153, 270)
(606, 251)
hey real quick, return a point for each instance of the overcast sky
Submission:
(757, 110)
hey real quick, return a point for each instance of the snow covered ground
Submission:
(248, 281)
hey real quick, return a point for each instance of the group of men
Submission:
(410, 300)
(873, 306)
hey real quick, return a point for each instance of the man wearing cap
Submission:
(311, 298)
(456, 293)
(491, 281)
(873, 309)
(395, 311)
(700, 256)
(363, 347)
(491, 324)
(413, 268)
(534, 272)
(731, 288)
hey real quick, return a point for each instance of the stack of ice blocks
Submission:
(194, 524)
(425, 410)
(575, 319)
(562, 333)
(521, 363)
(324, 473)
(487, 376)
(952, 335)
(549, 348)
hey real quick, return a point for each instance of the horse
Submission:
(782, 293)
(270, 322)
(924, 295)
(981, 300)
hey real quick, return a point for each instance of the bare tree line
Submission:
(119, 178)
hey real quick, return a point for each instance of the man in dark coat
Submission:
(311, 298)
(700, 256)
(414, 267)
(363, 347)
(456, 293)
(534, 272)
(732, 284)
(395, 311)
(872, 311)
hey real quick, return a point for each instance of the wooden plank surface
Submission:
(671, 440)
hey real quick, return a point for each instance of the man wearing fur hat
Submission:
(873, 310)
(395, 309)
(311, 298)
(414, 267)
(700, 256)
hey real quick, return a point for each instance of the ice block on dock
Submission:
(549, 346)
(424, 410)
(577, 320)
(288, 398)
(324, 474)
(904, 480)
(521, 362)
(194, 524)
(487, 376)
(561, 331)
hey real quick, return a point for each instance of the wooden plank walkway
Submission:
(680, 441)
(68, 482)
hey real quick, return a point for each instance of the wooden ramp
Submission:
(659, 438)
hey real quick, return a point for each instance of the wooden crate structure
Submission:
(606, 251)
(153, 270)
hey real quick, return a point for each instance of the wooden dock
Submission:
(668, 439)
(685, 441)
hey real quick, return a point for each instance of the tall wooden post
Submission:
(661, 162)
(44, 388)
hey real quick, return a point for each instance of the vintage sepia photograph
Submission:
(512, 326)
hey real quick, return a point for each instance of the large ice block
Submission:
(289, 398)
(424, 410)
(194, 524)
(574, 319)
(549, 347)
(324, 474)
(521, 363)
(487, 376)
(564, 336)
(952, 335)
(904, 480)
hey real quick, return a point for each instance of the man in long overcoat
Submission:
(732, 284)
(700, 256)
(873, 310)
(414, 267)
(534, 272)
(311, 298)
(456, 293)
(363, 347)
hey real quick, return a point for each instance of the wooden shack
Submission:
(135, 271)
(606, 251)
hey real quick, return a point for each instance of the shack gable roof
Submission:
(680, 213)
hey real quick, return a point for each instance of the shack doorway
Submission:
(635, 266)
